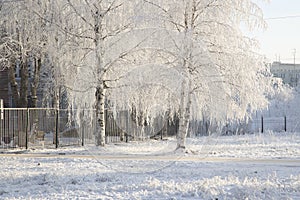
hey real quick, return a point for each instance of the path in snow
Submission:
(284, 161)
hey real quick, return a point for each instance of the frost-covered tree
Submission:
(21, 49)
(221, 75)
(86, 48)
(88, 39)
(190, 52)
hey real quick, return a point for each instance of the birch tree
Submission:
(209, 67)
(90, 38)
(222, 76)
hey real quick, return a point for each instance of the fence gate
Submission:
(13, 123)
(41, 130)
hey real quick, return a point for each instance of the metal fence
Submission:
(125, 126)
(51, 128)
(276, 124)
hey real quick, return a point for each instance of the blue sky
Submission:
(283, 34)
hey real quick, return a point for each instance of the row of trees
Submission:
(155, 57)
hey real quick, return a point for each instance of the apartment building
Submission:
(290, 73)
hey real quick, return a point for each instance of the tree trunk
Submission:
(14, 84)
(56, 99)
(100, 89)
(100, 111)
(24, 84)
(34, 84)
(184, 115)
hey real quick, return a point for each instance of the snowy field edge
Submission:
(256, 166)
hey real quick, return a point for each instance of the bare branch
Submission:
(171, 20)
(80, 15)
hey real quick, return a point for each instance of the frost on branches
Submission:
(166, 58)
(221, 75)
(90, 37)
(155, 58)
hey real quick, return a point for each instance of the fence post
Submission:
(2, 109)
(127, 126)
(262, 124)
(2, 126)
(285, 123)
(82, 133)
(56, 129)
(82, 139)
(26, 128)
(81, 127)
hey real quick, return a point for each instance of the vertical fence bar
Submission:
(14, 122)
(285, 123)
(26, 128)
(1, 120)
(126, 121)
(56, 128)
(107, 134)
(262, 124)
(82, 139)
(8, 127)
(1, 110)
(82, 124)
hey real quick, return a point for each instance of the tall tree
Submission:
(222, 76)
(88, 40)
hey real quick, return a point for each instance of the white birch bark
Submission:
(100, 111)
(184, 114)
(100, 89)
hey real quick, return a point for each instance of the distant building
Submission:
(290, 73)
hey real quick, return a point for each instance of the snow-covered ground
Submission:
(257, 166)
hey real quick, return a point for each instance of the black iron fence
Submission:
(52, 128)
(262, 124)
(125, 126)
(276, 124)
(31, 128)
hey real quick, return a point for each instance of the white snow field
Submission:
(257, 166)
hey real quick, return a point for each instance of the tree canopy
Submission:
(188, 58)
